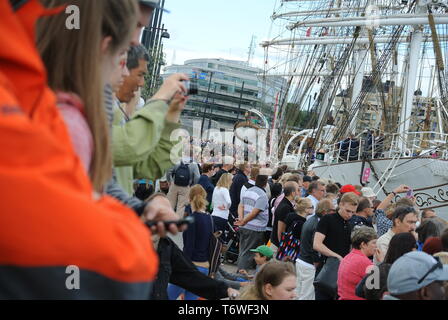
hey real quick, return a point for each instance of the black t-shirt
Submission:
(337, 233)
(295, 223)
(360, 221)
(283, 209)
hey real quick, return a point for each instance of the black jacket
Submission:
(235, 189)
(177, 269)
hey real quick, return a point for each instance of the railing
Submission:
(424, 144)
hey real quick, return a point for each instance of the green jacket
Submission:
(141, 146)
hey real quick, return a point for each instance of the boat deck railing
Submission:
(423, 144)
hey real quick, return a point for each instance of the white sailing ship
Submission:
(344, 54)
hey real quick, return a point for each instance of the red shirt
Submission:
(351, 271)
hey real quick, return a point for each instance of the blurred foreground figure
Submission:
(58, 224)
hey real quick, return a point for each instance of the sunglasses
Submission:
(438, 265)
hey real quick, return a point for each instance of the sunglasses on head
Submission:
(436, 266)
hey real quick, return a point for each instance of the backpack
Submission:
(289, 246)
(182, 175)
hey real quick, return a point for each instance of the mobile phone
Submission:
(410, 193)
(178, 223)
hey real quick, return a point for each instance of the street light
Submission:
(156, 52)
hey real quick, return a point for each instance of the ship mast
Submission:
(414, 54)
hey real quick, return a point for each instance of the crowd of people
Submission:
(104, 190)
(333, 236)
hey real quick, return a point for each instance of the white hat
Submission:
(368, 192)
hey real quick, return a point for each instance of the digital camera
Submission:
(192, 87)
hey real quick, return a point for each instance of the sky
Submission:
(216, 29)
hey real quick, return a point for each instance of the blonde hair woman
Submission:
(79, 62)
(221, 203)
(276, 280)
(196, 239)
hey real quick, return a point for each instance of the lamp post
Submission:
(156, 60)
(152, 40)
(206, 102)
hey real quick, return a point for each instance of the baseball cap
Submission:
(152, 3)
(349, 188)
(413, 271)
(264, 250)
(368, 192)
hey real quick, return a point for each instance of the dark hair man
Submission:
(404, 219)
(205, 182)
(137, 64)
(238, 182)
(306, 184)
(317, 192)
(364, 214)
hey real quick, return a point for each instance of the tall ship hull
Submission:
(427, 176)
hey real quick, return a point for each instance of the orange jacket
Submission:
(48, 218)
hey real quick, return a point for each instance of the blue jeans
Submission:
(174, 291)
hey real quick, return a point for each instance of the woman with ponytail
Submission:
(196, 239)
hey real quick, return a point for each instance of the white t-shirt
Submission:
(221, 196)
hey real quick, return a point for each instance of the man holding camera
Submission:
(137, 143)
(141, 141)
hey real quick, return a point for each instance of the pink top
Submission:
(72, 110)
(352, 269)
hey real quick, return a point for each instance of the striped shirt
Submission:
(256, 197)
